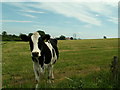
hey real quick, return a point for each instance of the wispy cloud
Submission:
(25, 10)
(18, 21)
(73, 10)
(32, 11)
(108, 10)
(113, 19)
(88, 26)
(29, 15)
(84, 12)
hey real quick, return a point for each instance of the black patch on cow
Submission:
(54, 41)
(45, 52)
(34, 59)
(54, 44)
(31, 44)
(46, 37)
(41, 61)
(53, 52)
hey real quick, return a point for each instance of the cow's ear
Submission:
(46, 37)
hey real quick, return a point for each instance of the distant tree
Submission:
(4, 33)
(42, 33)
(14, 36)
(104, 37)
(57, 38)
(71, 38)
(62, 37)
(0, 37)
(24, 37)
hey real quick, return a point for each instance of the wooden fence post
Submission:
(114, 69)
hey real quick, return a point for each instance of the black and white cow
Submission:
(44, 53)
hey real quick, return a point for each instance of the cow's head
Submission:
(36, 43)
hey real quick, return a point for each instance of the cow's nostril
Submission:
(35, 54)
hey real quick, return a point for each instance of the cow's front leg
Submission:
(36, 71)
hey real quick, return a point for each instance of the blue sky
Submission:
(88, 20)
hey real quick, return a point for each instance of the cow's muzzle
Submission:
(35, 54)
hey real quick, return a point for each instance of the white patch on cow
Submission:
(49, 46)
(55, 57)
(35, 38)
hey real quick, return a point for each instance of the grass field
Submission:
(82, 64)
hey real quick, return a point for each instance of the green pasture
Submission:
(82, 64)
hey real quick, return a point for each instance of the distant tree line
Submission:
(9, 37)
(23, 37)
(62, 37)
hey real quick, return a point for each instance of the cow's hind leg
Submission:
(50, 73)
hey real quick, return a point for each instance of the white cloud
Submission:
(88, 12)
(107, 10)
(25, 10)
(97, 15)
(113, 19)
(32, 11)
(28, 15)
(73, 10)
(101, 8)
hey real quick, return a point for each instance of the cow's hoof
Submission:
(52, 81)
(36, 81)
(49, 81)
(52, 78)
